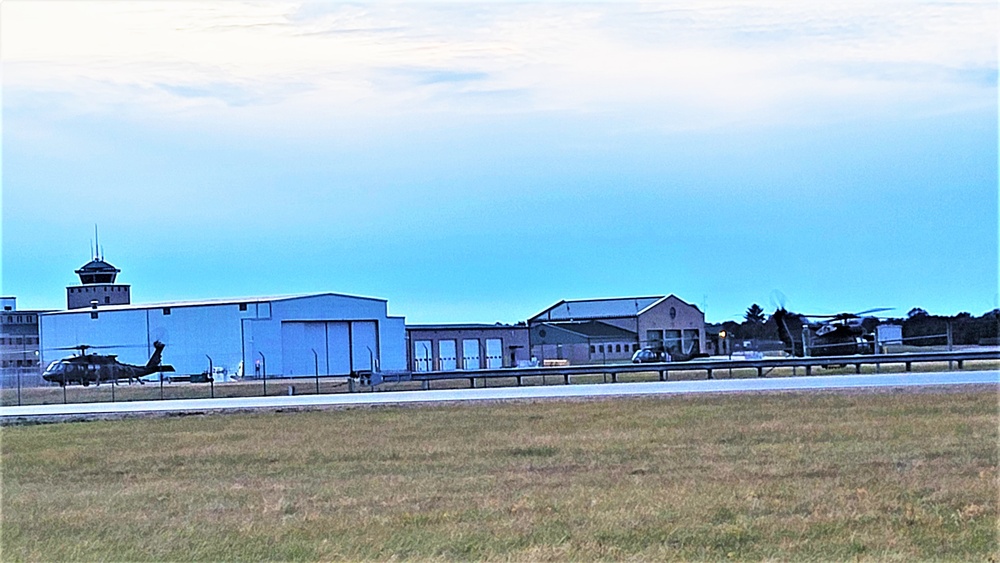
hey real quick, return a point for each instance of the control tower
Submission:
(97, 283)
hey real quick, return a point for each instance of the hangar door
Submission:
(340, 347)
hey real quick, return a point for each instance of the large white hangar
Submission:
(273, 336)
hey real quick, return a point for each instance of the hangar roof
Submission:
(208, 302)
(609, 308)
(593, 329)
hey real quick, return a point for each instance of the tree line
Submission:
(920, 328)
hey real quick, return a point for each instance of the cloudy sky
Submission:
(478, 162)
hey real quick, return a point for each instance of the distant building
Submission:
(19, 344)
(446, 347)
(582, 330)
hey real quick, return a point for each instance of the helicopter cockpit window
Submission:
(57, 366)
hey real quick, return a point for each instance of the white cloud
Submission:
(689, 66)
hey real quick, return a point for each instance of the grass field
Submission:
(834, 476)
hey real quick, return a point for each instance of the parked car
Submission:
(649, 356)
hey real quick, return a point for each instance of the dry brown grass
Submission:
(835, 476)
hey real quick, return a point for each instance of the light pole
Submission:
(729, 350)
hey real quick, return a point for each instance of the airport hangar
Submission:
(286, 336)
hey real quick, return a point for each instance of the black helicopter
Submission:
(87, 368)
(842, 334)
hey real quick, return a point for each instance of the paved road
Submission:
(534, 392)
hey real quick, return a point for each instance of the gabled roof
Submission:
(615, 307)
(593, 329)
(671, 296)
(609, 308)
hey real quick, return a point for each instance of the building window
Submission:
(107, 300)
(591, 348)
(166, 310)
(618, 348)
(600, 348)
(93, 315)
(635, 347)
(673, 313)
(243, 306)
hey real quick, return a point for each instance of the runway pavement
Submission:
(509, 393)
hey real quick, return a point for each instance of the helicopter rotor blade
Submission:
(875, 310)
(89, 347)
(777, 299)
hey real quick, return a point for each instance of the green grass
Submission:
(837, 476)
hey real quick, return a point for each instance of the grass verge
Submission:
(902, 476)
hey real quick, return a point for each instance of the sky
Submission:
(478, 162)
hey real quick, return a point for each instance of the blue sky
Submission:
(476, 162)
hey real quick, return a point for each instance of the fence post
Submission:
(316, 359)
(950, 366)
(263, 366)
(211, 377)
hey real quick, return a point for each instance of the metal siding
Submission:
(392, 343)
(192, 334)
(365, 344)
(338, 348)
(303, 348)
(123, 328)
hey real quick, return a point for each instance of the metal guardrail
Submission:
(709, 366)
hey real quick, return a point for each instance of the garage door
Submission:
(329, 339)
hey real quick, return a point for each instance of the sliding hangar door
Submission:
(330, 347)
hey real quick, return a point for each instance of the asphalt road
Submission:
(502, 393)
